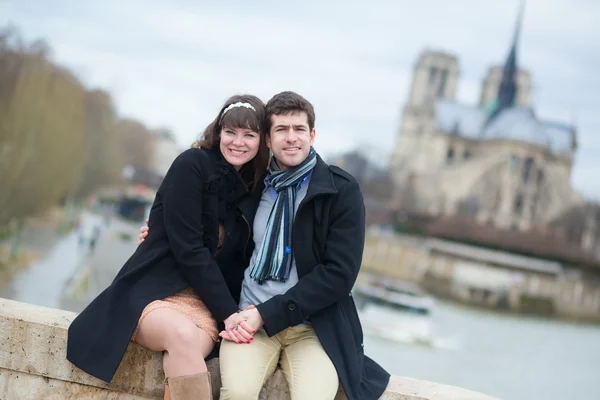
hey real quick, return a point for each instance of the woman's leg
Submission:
(185, 345)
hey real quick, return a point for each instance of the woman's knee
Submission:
(186, 338)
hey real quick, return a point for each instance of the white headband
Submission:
(236, 105)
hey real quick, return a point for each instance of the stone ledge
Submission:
(33, 365)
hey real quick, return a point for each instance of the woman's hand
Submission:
(237, 329)
(252, 322)
(143, 233)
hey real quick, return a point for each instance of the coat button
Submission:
(350, 294)
(291, 306)
(362, 345)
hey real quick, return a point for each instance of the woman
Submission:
(170, 294)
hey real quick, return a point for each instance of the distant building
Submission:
(581, 225)
(497, 161)
(165, 151)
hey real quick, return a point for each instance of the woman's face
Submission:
(239, 145)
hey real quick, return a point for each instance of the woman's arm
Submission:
(143, 233)
(182, 193)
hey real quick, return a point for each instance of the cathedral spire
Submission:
(507, 91)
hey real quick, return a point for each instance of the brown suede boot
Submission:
(190, 387)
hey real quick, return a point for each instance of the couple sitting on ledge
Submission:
(254, 253)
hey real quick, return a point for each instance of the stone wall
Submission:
(33, 366)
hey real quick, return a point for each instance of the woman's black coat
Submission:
(198, 192)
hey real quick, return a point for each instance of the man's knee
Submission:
(241, 390)
(238, 381)
(316, 382)
(308, 369)
(245, 368)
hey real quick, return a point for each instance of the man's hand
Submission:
(252, 322)
(237, 329)
(254, 319)
(143, 233)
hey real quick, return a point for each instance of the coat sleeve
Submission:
(182, 195)
(331, 281)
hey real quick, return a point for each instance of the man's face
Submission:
(290, 138)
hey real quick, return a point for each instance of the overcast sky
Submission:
(173, 63)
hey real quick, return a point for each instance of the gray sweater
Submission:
(252, 292)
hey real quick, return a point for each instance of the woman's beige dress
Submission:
(188, 303)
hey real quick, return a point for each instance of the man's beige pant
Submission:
(307, 368)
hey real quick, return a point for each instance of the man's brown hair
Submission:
(289, 103)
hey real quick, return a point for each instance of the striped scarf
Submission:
(274, 260)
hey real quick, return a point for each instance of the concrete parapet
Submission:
(33, 342)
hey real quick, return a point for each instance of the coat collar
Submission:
(321, 180)
(216, 156)
(226, 180)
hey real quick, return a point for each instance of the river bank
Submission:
(486, 278)
(39, 236)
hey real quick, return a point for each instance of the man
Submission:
(308, 234)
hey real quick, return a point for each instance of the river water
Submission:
(506, 356)
(509, 357)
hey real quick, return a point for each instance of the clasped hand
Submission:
(247, 322)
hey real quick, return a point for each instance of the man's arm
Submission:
(332, 280)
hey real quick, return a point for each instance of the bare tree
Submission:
(104, 159)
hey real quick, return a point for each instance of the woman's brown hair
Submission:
(241, 117)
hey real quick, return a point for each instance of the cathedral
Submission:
(497, 161)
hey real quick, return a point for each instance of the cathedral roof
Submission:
(515, 123)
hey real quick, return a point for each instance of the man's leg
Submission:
(246, 367)
(307, 368)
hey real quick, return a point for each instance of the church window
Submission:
(432, 74)
(527, 169)
(518, 207)
(467, 154)
(540, 177)
(442, 87)
(513, 162)
(455, 128)
(450, 155)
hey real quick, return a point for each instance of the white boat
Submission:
(395, 310)
(395, 294)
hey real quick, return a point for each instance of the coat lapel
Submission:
(321, 181)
